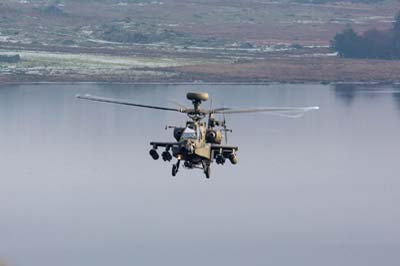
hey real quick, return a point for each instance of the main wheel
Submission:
(174, 170)
(207, 171)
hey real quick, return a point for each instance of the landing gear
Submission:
(175, 168)
(207, 169)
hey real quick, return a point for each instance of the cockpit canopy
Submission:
(189, 133)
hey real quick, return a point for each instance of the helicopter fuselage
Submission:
(197, 145)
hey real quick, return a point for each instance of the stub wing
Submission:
(222, 149)
(164, 144)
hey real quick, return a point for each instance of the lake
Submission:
(78, 187)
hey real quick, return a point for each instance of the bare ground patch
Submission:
(297, 69)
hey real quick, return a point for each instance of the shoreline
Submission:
(266, 83)
(52, 67)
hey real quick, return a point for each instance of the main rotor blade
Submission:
(216, 110)
(116, 101)
(267, 110)
(176, 103)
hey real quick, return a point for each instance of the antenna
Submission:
(225, 130)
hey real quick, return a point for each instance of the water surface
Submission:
(77, 186)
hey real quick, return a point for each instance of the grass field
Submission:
(164, 40)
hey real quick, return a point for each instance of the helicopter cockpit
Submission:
(189, 133)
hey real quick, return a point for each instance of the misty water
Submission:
(78, 187)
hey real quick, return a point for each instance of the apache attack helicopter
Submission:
(198, 143)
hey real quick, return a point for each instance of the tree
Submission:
(384, 44)
(347, 43)
(396, 36)
(377, 44)
(396, 23)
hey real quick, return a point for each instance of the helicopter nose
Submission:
(188, 146)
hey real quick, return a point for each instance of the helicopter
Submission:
(199, 143)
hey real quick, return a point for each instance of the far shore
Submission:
(306, 67)
(205, 83)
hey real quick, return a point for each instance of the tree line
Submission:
(335, 1)
(383, 44)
